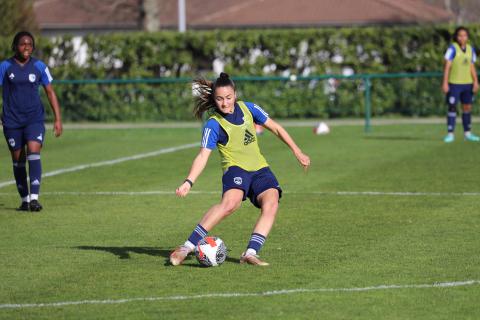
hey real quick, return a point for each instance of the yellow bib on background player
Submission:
(460, 72)
(242, 147)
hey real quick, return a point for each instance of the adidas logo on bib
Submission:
(249, 138)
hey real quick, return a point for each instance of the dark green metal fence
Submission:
(323, 96)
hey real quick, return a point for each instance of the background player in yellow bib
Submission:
(231, 129)
(460, 82)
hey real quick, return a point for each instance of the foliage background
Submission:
(266, 52)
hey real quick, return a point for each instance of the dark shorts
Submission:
(252, 183)
(462, 93)
(18, 137)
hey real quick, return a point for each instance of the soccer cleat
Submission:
(471, 137)
(35, 206)
(179, 255)
(25, 206)
(449, 138)
(252, 259)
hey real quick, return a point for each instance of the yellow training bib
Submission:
(460, 72)
(242, 147)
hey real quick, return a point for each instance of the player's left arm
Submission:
(475, 78)
(473, 70)
(283, 135)
(46, 81)
(52, 98)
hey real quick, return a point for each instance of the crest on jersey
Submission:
(32, 77)
(238, 180)
(11, 76)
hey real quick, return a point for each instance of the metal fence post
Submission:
(368, 102)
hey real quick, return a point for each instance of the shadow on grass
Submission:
(15, 209)
(125, 252)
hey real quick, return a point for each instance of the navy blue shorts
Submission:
(462, 93)
(17, 138)
(252, 183)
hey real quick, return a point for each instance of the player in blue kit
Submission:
(24, 115)
(246, 173)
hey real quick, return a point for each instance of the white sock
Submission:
(26, 199)
(467, 133)
(450, 134)
(34, 196)
(251, 251)
(189, 245)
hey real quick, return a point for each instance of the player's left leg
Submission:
(467, 124)
(35, 173)
(35, 136)
(268, 201)
(466, 98)
(265, 194)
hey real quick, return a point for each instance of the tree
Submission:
(17, 15)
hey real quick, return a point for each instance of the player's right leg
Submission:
(452, 98)
(14, 138)
(231, 201)
(20, 174)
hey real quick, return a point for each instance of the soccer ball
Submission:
(211, 251)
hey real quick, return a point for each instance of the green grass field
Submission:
(91, 246)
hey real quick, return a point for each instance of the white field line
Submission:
(393, 193)
(240, 294)
(200, 192)
(110, 162)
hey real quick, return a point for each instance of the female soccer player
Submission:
(23, 115)
(246, 172)
(460, 82)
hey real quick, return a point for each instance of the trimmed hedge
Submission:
(250, 52)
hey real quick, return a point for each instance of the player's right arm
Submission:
(209, 142)
(198, 165)
(3, 70)
(4, 65)
(449, 55)
(446, 75)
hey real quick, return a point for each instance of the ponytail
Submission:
(204, 92)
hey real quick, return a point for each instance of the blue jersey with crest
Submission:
(21, 98)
